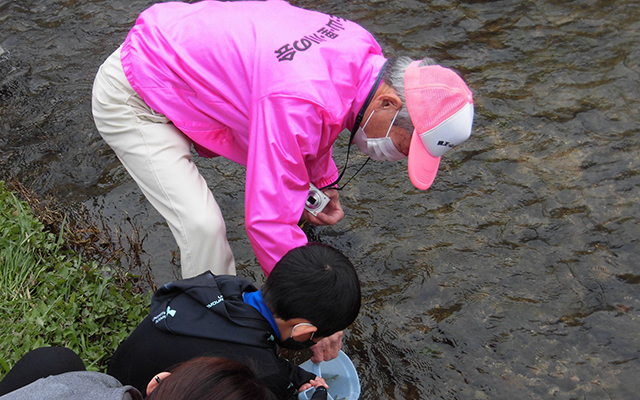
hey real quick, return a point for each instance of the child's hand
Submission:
(313, 383)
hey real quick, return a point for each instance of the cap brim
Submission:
(423, 167)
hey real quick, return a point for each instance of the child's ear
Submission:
(155, 381)
(303, 331)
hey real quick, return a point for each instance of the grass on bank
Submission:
(51, 294)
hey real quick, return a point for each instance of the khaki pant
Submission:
(158, 157)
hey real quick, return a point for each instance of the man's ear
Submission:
(390, 100)
(155, 381)
(384, 100)
(303, 331)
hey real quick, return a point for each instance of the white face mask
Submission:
(379, 149)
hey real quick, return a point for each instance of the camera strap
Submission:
(354, 129)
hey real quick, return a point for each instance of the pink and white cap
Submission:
(441, 108)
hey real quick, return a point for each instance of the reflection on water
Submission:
(514, 276)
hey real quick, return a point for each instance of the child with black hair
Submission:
(312, 293)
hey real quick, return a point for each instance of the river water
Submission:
(513, 277)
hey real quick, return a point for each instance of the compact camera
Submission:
(316, 200)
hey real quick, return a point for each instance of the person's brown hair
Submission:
(211, 378)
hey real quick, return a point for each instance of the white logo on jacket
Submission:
(219, 300)
(164, 314)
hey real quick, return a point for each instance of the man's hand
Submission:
(328, 348)
(332, 212)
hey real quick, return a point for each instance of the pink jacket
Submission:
(265, 84)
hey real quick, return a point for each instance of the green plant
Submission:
(51, 296)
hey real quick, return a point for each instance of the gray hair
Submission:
(394, 77)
